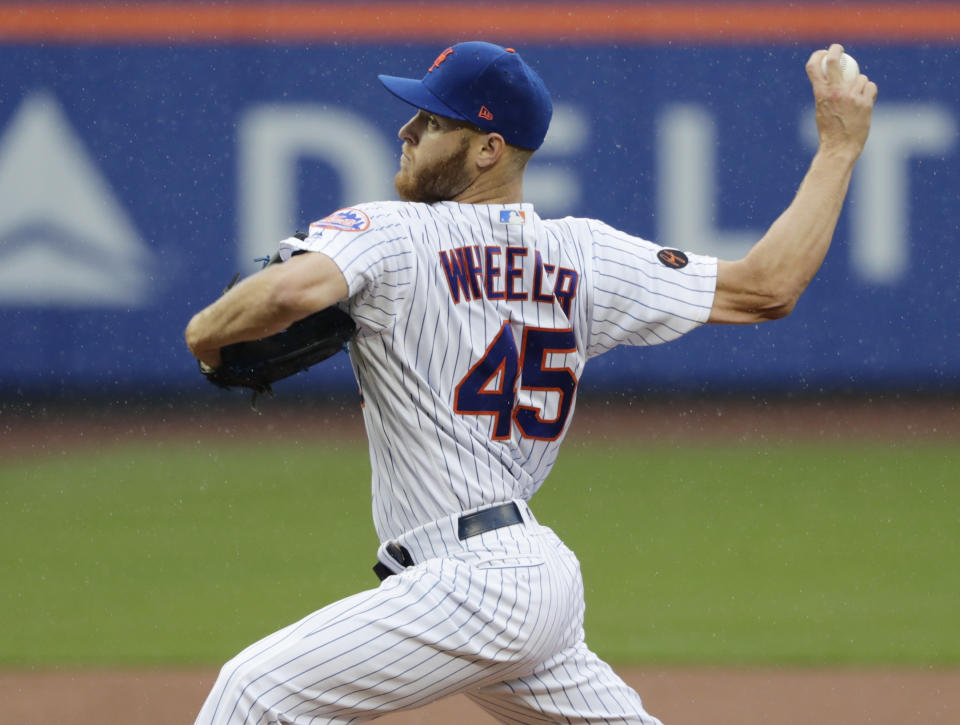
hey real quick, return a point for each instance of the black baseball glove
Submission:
(259, 363)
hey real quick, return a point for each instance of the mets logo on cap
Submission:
(344, 220)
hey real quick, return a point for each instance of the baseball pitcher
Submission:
(474, 319)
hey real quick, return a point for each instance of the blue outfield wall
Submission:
(134, 181)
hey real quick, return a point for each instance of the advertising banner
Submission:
(137, 176)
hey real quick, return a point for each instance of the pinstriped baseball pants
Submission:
(498, 617)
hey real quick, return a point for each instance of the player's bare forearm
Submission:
(246, 312)
(766, 284)
(265, 303)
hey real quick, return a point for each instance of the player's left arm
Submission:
(266, 303)
(766, 284)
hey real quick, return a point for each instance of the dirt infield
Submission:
(37, 430)
(678, 697)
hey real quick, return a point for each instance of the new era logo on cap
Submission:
(489, 86)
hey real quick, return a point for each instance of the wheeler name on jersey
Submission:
(499, 273)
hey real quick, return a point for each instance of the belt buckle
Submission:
(398, 554)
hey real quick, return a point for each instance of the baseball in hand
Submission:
(848, 67)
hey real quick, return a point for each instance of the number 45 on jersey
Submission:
(490, 387)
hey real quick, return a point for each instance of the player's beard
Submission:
(441, 180)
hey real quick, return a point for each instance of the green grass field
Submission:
(789, 554)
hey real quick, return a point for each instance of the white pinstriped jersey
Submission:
(475, 323)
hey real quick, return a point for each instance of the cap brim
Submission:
(412, 91)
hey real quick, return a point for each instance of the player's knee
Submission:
(237, 695)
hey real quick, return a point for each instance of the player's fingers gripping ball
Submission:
(849, 68)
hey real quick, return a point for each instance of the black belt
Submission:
(472, 524)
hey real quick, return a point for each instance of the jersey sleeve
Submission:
(644, 294)
(371, 246)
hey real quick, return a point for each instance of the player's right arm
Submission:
(265, 303)
(766, 284)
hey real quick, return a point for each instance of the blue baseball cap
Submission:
(485, 84)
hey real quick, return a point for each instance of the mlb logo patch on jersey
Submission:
(343, 220)
(512, 216)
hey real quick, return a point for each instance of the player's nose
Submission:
(407, 132)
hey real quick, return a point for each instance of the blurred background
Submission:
(150, 150)
(785, 493)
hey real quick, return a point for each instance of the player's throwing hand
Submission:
(843, 108)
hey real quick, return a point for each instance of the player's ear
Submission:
(490, 149)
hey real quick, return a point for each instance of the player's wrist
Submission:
(839, 152)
